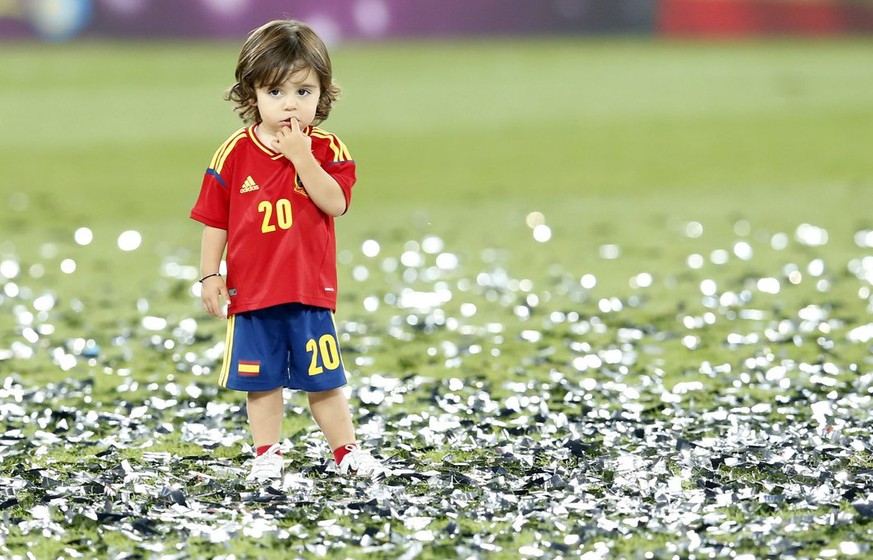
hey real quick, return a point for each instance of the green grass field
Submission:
(680, 369)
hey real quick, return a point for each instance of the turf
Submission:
(623, 145)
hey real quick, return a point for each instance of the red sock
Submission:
(264, 448)
(342, 451)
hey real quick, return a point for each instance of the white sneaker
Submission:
(361, 463)
(267, 467)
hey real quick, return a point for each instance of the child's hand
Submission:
(292, 142)
(214, 295)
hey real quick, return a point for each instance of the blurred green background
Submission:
(613, 140)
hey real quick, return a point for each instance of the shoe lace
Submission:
(265, 464)
(358, 461)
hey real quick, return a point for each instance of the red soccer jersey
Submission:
(281, 248)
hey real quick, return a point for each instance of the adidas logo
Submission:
(248, 185)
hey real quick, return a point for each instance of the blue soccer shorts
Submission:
(290, 345)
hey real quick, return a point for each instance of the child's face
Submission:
(295, 98)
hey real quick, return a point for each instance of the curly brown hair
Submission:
(271, 54)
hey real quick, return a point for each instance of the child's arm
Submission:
(213, 292)
(322, 189)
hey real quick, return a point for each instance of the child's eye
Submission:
(274, 92)
(303, 92)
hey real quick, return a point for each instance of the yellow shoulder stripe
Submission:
(222, 152)
(340, 152)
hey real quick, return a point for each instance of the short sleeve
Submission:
(336, 160)
(212, 206)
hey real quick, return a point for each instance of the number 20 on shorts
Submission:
(327, 350)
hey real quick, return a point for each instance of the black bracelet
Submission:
(209, 276)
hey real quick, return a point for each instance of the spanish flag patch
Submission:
(248, 369)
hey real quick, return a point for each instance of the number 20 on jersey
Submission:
(275, 215)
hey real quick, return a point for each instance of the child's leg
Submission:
(331, 412)
(266, 410)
